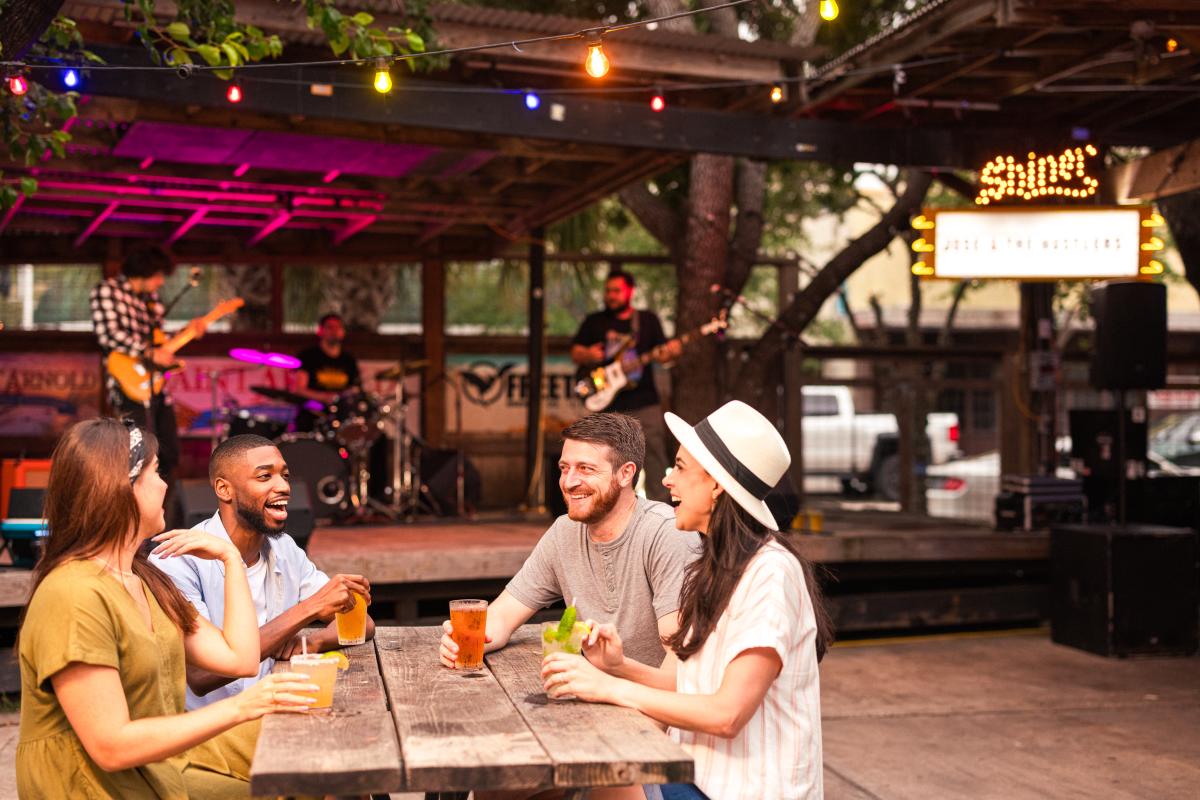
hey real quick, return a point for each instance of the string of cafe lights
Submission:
(597, 65)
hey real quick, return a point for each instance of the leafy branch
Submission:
(202, 31)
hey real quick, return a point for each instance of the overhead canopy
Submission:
(1121, 72)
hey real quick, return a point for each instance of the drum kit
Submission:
(334, 460)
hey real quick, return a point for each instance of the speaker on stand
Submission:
(1129, 352)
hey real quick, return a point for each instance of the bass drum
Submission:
(323, 471)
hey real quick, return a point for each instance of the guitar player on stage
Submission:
(126, 312)
(600, 337)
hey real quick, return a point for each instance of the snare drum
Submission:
(322, 469)
(354, 420)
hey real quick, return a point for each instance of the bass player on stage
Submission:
(126, 313)
(600, 337)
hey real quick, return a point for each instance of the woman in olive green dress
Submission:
(106, 636)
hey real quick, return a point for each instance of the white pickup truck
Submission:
(862, 449)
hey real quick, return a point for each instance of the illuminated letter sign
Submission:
(1022, 243)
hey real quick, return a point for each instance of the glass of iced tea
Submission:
(352, 624)
(322, 672)
(469, 619)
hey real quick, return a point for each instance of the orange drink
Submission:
(352, 624)
(322, 672)
(469, 619)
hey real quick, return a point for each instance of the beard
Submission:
(256, 520)
(603, 502)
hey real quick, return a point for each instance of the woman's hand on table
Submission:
(603, 646)
(569, 674)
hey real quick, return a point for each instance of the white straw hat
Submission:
(741, 450)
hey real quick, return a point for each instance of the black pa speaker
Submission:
(1122, 591)
(439, 474)
(1130, 347)
(199, 503)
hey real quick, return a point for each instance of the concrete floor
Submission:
(995, 716)
(1007, 717)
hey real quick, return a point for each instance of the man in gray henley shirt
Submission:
(617, 557)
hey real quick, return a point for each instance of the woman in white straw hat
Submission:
(739, 686)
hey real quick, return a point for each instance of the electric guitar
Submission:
(139, 378)
(597, 386)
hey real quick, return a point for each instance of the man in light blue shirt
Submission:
(250, 478)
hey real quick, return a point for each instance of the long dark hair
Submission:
(90, 508)
(734, 536)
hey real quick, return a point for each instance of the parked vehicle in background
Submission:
(862, 449)
(964, 489)
(1177, 439)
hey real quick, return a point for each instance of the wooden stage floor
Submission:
(495, 548)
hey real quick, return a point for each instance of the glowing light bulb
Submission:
(597, 63)
(234, 93)
(383, 79)
(532, 101)
(658, 102)
(18, 85)
(829, 10)
(1172, 45)
(777, 94)
(1090, 150)
(71, 78)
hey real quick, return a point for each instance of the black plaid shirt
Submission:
(124, 320)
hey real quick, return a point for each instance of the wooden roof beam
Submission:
(275, 223)
(96, 222)
(1162, 174)
(11, 212)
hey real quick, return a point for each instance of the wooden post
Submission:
(792, 403)
(433, 331)
(534, 437)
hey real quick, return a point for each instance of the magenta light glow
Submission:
(282, 361)
(248, 355)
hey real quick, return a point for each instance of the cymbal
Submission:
(393, 372)
(279, 394)
(251, 356)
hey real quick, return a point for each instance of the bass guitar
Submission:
(140, 378)
(598, 386)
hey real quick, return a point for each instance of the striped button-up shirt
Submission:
(777, 755)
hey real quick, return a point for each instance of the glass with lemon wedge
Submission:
(564, 636)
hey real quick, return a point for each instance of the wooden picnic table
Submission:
(403, 723)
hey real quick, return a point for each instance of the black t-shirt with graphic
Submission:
(326, 373)
(604, 327)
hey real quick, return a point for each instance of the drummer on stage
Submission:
(326, 370)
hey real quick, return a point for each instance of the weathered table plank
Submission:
(458, 731)
(591, 744)
(351, 749)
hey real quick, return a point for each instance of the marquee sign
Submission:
(1032, 243)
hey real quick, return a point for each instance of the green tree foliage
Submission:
(200, 32)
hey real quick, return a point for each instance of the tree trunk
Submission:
(705, 253)
(1182, 212)
(750, 194)
(662, 8)
(752, 378)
